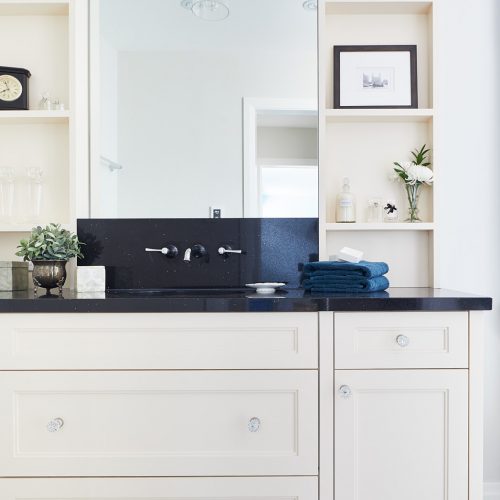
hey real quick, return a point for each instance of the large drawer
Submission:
(401, 340)
(262, 488)
(158, 341)
(241, 423)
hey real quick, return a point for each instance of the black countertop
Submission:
(395, 299)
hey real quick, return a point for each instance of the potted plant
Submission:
(414, 174)
(49, 249)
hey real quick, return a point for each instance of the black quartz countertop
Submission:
(395, 299)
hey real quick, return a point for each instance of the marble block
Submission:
(13, 276)
(90, 279)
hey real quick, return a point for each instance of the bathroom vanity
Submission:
(163, 393)
(201, 395)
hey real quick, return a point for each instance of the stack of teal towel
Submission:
(336, 277)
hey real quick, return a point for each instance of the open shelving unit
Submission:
(49, 38)
(362, 144)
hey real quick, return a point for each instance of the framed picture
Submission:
(375, 76)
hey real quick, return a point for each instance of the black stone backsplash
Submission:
(275, 251)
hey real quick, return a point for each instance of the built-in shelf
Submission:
(34, 116)
(378, 115)
(26, 227)
(377, 7)
(388, 226)
(34, 8)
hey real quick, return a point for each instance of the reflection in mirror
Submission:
(191, 116)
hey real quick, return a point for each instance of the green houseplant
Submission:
(49, 249)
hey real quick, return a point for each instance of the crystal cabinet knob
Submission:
(254, 424)
(402, 340)
(345, 391)
(55, 424)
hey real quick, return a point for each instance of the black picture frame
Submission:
(339, 49)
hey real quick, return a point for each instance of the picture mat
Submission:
(395, 64)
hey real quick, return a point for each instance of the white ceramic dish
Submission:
(265, 288)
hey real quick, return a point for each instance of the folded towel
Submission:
(364, 285)
(334, 268)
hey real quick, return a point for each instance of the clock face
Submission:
(10, 88)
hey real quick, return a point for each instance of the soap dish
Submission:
(265, 288)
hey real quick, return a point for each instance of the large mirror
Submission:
(204, 108)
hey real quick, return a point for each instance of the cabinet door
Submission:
(401, 434)
(184, 423)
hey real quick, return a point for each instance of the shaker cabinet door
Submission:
(401, 434)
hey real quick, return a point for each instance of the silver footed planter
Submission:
(49, 248)
(49, 274)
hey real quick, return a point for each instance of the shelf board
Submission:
(26, 227)
(34, 8)
(387, 226)
(378, 7)
(378, 115)
(34, 117)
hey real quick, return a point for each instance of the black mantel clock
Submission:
(13, 88)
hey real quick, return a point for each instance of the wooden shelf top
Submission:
(378, 6)
(383, 226)
(378, 115)
(34, 117)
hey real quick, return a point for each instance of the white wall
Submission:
(180, 141)
(107, 179)
(287, 142)
(469, 139)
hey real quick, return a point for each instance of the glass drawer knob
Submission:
(55, 424)
(345, 391)
(254, 424)
(402, 340)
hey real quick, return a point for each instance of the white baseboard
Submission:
(492, 491)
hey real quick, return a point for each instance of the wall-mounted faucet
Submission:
(170, 251)
(197, 251)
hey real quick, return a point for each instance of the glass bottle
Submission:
(346, 204)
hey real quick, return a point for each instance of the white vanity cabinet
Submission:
(264, 406)
(402, 406)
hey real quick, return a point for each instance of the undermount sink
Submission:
(178, 291)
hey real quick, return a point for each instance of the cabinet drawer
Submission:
(158, 341)
(158, 423)
(401, 340)
(270, 488)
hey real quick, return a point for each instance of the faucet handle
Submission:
(170, 251)
(226, 250)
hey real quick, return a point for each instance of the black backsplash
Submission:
(275, 251)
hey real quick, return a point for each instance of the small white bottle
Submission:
(346, 204)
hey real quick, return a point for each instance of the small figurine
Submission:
(391, 211)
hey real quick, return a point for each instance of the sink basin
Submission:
(166, 292)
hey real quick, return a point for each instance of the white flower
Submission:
(419, 173)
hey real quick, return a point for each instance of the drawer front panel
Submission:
(159, 341)
(401, 340)
(270, 488)
(158, 423)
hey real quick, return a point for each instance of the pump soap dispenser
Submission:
(346, 204)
